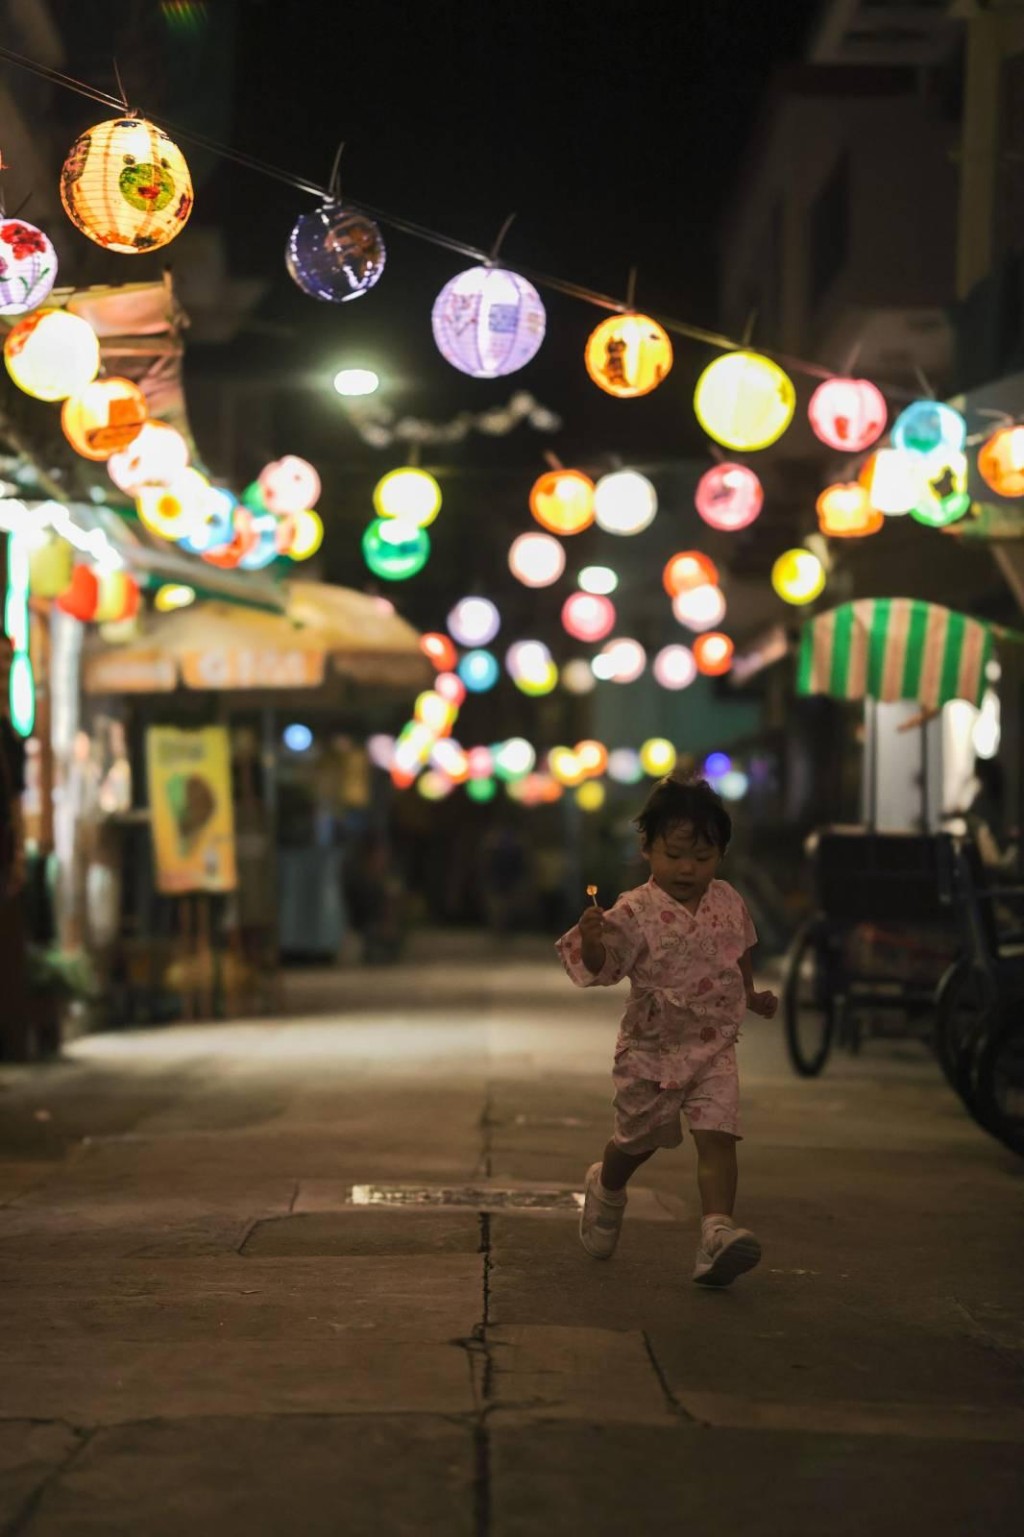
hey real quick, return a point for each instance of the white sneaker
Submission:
(601, 1218)
(724, 1253)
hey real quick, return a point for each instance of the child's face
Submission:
(682, 863)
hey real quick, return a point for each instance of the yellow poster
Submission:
(191, 811)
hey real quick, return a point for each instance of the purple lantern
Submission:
(335, 253)
(488, 321)
(729, 497)
(28, 267)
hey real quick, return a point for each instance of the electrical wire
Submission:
(421, 231)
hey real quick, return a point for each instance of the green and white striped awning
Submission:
(895, 648)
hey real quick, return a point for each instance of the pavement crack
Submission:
(482, 1507)
(670, 1398)
(19, 1522)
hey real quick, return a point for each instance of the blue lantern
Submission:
(335, 253)
(488, 321)
(927, 425)
(218, 526)
(265, 550)
(479, 671)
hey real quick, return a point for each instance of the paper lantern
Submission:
(845, 512)
(51, 354)
(687, 570)
(50, 567)
(628, 355)
(474, 621)
(479, 670)
(942, 494)
(599, 579)
(713, 654)
(227, 557)
(440, 651)
(488, 321)
(480, 762)
(434, 786)
(733, 786)
(892, 480)
(658, 757)
(625, 502)
(562, 501)
(847, 414)
(82, 595)
(624, 766)
(395, 549)
(587, 616)
(528, 661)
(335, 253)
(28, 267)
(173, 595)
(409, 494)
(564, 766)
(593, 756)
(1001, 462)
(126, 185)
(674, 667)
(798, 577)
(481, 790)
(156, 456)
(107, 416)
(299, 534)
(118, 598)
(590, 797)
(264, 550)
(451, 687)
(514, 758)
(700, 608)
(927, 425)
(744, 401)
(729, 497)
(175, 510)
(620, 661)
(289, 485)
(576, 677)
(537, 684)
(536, 560)
(450, 759)
(435, 712)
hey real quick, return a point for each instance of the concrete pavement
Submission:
(320, 1275)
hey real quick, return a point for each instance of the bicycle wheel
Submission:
(807, 999)
(999, 1078)
(963, 1016)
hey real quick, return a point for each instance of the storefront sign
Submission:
(220, 667)
(190, 808)
(136, 672)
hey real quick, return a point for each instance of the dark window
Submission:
(830, 230)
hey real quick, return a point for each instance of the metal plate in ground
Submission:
(514, 1197)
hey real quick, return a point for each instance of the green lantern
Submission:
(943, 496)
(394, 549)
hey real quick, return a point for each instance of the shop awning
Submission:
(895, 648)
(216, 646)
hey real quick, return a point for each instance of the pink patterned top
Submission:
(686, 1000)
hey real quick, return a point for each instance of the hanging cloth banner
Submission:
(191, 809)
(895, 648)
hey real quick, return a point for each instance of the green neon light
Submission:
(22, 693)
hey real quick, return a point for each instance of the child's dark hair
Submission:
(684, 800)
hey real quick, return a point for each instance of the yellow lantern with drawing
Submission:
(798, 576)
(744, 401)
(126, 185)
(628, 355)
(107, 416)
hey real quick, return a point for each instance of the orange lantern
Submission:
(562, 501)
(592, 756)
(712, 653)
(81, 598)
(845, 511)
(107, 416)
(628, 355)
(687, 570)
(1001, 461)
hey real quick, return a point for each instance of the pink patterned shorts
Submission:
(648, 1116)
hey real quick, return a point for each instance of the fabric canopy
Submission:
(895, 648)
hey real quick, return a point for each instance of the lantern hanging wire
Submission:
(411, 227)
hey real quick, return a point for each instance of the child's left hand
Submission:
(764, 1004)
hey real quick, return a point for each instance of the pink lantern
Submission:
(289, 485)
(480, 762)
(675, 667)
(847, 414)
(587, 616)
(700, 609)
(451, 687)
(729, 497)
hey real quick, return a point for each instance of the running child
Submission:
(684, 940)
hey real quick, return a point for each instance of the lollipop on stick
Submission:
(592, 894)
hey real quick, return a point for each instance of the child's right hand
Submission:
(592, 925)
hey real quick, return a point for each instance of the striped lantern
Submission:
(895, 648)
(488, 321)
(127, 186)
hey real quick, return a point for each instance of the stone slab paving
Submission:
(200, 1333)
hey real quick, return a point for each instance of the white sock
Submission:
(715, 1219)
(614, 1196)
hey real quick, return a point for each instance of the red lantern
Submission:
(847, 414)
(712, 653)
(1001, 461)
(246, 535)
(82, 597)
(729, 497)
(687, 570)
(845, 512)
(439, 649)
